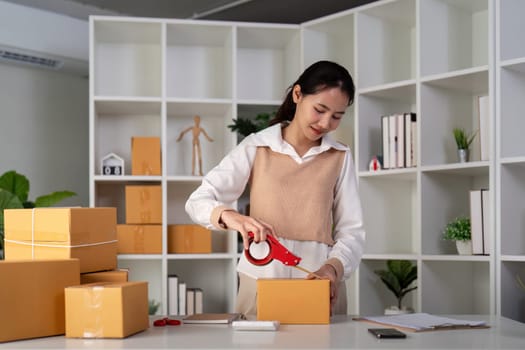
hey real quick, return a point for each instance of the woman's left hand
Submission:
(327, 272)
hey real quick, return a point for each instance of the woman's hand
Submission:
(244, 224)
(327, 272)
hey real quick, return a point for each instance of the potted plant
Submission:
(458, 230)
(14, 192)
(398, 278)
(246, 126)
(463, 142)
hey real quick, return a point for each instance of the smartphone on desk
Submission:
(385, 333)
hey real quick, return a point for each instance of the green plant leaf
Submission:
(398, 277)
(7, 201)
(15, 183)
(458, 229)
(53, 198)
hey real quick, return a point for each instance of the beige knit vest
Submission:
(296, 199)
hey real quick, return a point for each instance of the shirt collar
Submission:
(272, 137)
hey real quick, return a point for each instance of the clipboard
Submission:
(422, 322)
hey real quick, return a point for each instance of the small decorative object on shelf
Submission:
(196, 145)
(375, 164)
(458, 230)
(463, 141)
(112, 164)
(398, 277)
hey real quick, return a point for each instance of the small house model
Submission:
(112, 165)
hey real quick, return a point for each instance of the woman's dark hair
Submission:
(319, 76)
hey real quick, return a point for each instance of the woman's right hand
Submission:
(244, 224)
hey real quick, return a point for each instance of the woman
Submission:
(302, 188)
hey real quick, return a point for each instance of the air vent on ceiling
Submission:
(42, 62)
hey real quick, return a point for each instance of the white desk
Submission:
(342, 333)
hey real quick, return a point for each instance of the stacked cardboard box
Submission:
(189, 239)
(49, 249)
(32, 297)
(88, 234)
(145, 156)
(120, 275)
(142, 233)
(106, 310)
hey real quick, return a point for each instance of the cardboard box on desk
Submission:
(188, 239)
(143, 204)
(293, 301)
(139, 239)
(88, 234)
(120, 275)
(32, 297)
(106, 310)
(145, 156)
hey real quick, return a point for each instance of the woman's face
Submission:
(320, 113)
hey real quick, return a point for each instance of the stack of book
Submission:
(183, 300)
(399, 137)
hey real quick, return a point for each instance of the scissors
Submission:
(275, 251)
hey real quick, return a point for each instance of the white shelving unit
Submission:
(150, 77)
(431, 57)
(510, 156)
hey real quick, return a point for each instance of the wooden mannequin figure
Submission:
(196, 145)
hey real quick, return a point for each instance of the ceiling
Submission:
(274, 11)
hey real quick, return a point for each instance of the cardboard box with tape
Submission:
(88, 234)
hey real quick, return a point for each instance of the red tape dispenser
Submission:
(275, 251)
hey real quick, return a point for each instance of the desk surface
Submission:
(342, 333)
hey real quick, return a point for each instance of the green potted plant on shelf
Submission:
(398, 278)
(463, 142)
(458, 230)
(247, 126)
(14, 192)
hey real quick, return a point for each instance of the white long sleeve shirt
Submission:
(225, 183)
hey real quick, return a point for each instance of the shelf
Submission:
(386, 41)
(512, 82)
(511, 26)
(472, 297)
(199, 60)
(131, 54)
(512, 209)
(274, 50)
(333, 38)
(454, 35)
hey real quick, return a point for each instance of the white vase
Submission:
(464, 247)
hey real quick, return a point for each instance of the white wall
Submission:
(43, 31)
(44, 130)
(44, 114)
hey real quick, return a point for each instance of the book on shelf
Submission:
(219, 318)
(485, 207)
(400, 140)
(173, 295)
(198, 301)
(410, 139)
(484, 126)
(385, 142)
(392, 141)
(190, 301)
(182, 298)
(420, 322)
(479, 221)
